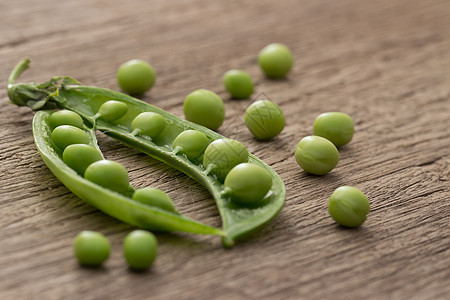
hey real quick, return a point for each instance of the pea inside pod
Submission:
(191, 143)
(66, 135)
(154, 197)
(148, 123)
(65, 117)
(112, 110)
(109, 174)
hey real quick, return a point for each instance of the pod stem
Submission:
(17, 71)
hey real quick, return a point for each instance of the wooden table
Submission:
(386, 63)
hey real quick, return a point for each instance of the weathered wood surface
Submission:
(386, 63)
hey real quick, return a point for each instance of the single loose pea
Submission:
(264, 119)
(205, 108)
(238, 83)
(65, 117)
(135, 77)
(336, 127)
(316, 155)
(222, 155)
(112, 110)
(191, 143)
(149, 123)
(154, 197)
(80, 156)
(275, 60)
(91, 248)
(66, 135)
(108, 174)
(248, 184)
(348, 206)
(140, 248)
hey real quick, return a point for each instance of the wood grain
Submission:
(386, 63)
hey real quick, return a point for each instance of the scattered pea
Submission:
(140, 248)
(135, 77)
(222, 155)
(149, 123)
(336, 127)
(112, 110)
(91, 248)
(191, 143)
(154, 197)
(205, 108)
(65, 117)
(108, 174)
(348, 206)
(80, 156)
(248, 184)
(238, 83)
(66, 135)
(316, 155)
(275, 60)
(264, 119)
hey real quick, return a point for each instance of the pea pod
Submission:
(108, 201)
(67, 93)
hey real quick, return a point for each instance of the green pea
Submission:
(238, 83)
(205, 108)
(248, 184)
(65, 117)
(135, 77)
(154, 197)
(275, 60)
(91, 248)
(66, 135)
(336, 127)
(316, 155)
(80, 156)
(222, 155)
(149, 123)
(191, 143)
(108, 174)
(140, 248)
(264, 119)
(112, 110)
(348, 206)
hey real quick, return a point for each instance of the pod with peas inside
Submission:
(209, 170)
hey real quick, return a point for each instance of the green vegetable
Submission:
(112, 110)
(91, 248)
(247, 184)
(154, 197)
(80, 156)
(67, 93)
(336, 127)
(316, 155)
(264, 119)
(135, 77)
(191, 143)
(140, 249)
(65, 117)
(66, 135)
(148, 123)
(110, 202)
(205, 108)
(238, 83)
(108, 174)
(275, 60)
(348, 206)
(222, 155)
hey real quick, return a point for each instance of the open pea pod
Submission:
(65, 92)
(108, 201)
